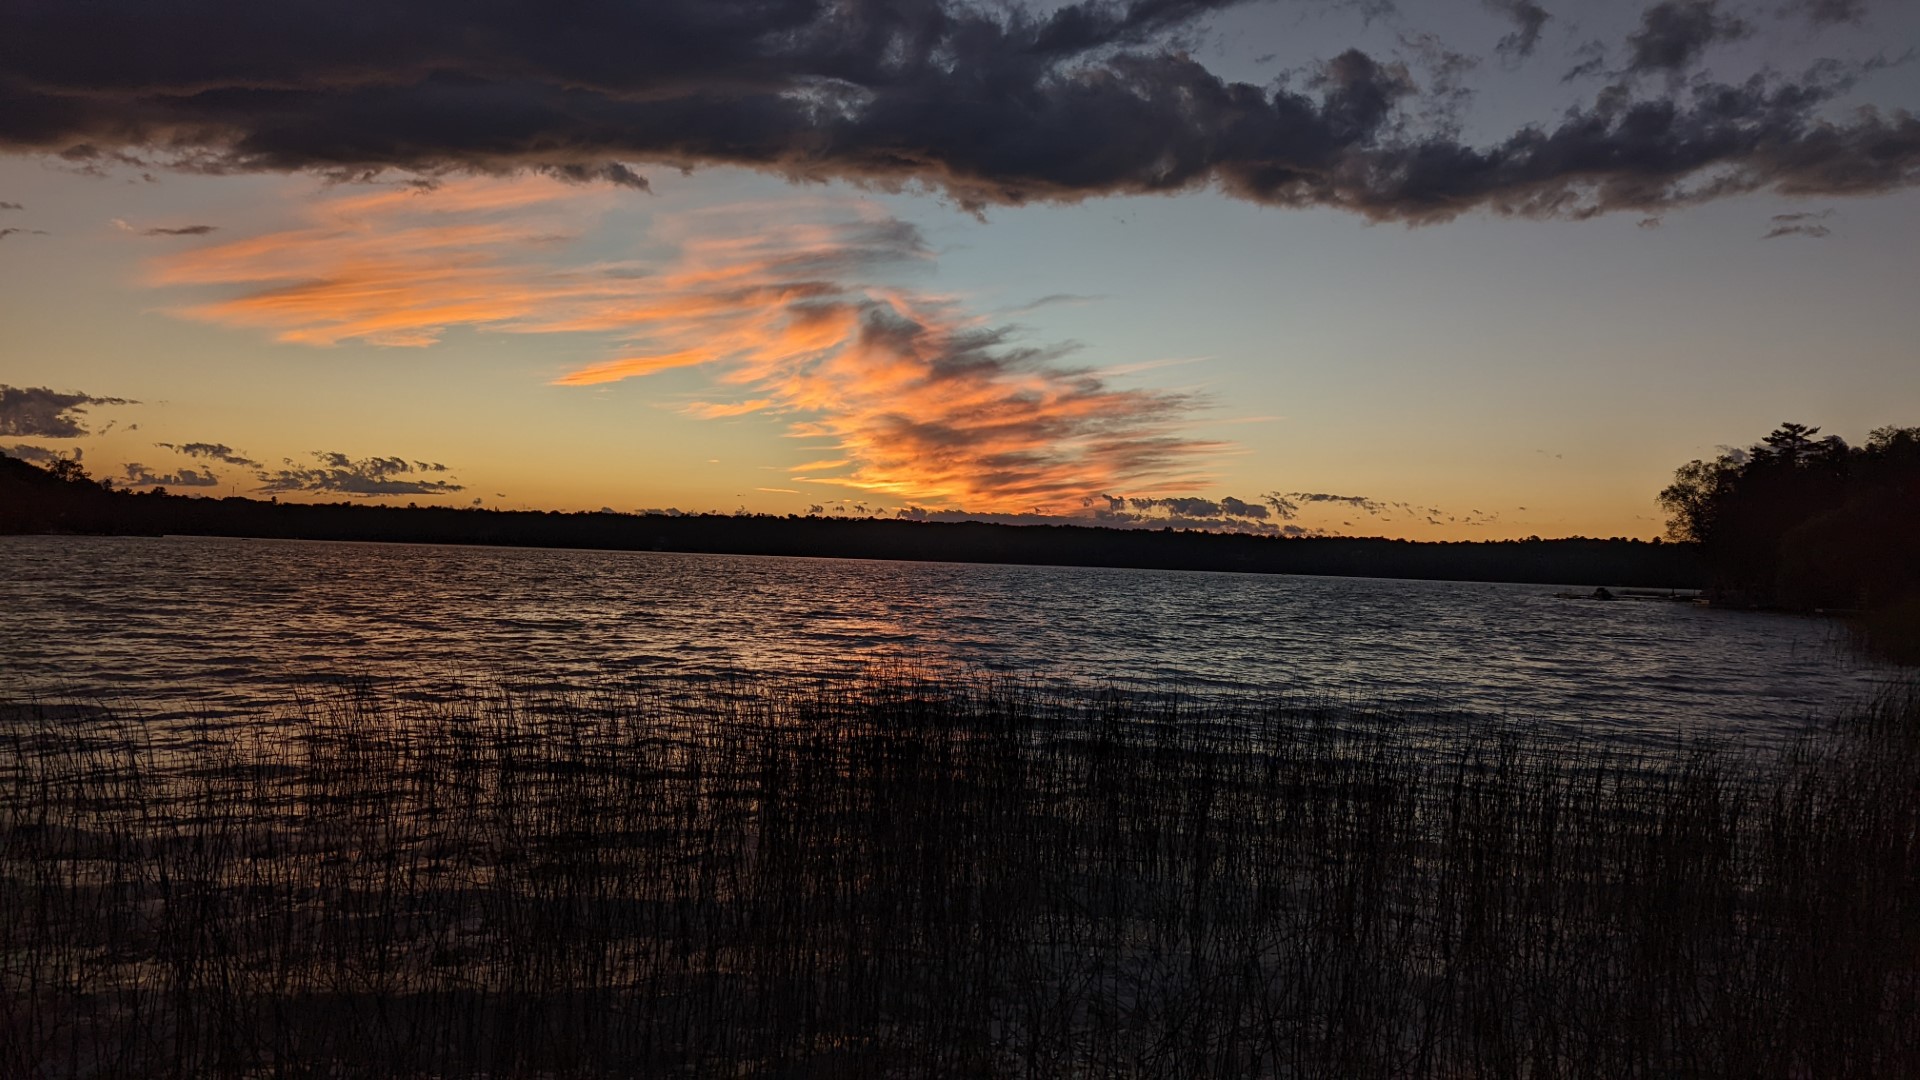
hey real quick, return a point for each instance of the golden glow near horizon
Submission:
(737, 345)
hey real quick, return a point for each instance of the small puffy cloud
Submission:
(40, 412)
(336, 473)
(138, 475)
(211, 452)
(1232, 507)
(11, 206)
(4, 233)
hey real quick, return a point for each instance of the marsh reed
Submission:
(905, 877)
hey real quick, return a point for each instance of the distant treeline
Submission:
(65, 500)
(1802, 522)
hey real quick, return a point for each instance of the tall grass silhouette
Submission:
(901, 877)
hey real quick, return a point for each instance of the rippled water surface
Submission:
(221, 627)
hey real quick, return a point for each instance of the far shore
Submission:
(29, 505)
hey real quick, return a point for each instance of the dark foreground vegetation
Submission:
(896, 879)
(1802, 522)
(64, 500)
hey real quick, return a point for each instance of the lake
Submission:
(224, 628)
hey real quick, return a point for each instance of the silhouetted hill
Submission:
(34, 501)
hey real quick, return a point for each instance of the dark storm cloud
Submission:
(339, 474)
(138, 475)
(211, 452)
(1673, 34)
(611, 172)
(37, 411)
(991, 104)
(1829, 12)
(1527, 17)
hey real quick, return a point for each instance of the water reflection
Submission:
(228, 625)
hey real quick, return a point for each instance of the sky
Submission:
(1454, 270)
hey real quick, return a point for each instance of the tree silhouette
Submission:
(1699, 490)
(1790, 442)
(1806, 522)
(69, 469)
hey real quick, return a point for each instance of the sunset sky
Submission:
(1449, 270)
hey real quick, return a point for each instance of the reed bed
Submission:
(896, 877)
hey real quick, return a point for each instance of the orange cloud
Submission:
(398, 267)
(712, 410)
(915, 398)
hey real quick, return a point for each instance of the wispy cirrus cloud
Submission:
(399, 265)
(905, 392)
